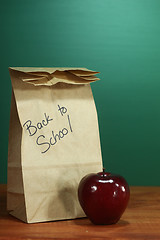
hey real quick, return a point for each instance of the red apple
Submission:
(103, 197)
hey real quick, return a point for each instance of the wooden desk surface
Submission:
(141, 220)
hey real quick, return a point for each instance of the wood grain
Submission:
(141, 220)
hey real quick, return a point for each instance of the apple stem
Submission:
(103, 171)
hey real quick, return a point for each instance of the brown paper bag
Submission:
(53, 142)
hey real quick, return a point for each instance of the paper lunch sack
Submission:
(53, 142)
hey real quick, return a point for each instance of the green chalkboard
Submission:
(119, 38)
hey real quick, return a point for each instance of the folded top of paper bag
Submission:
(51, 76)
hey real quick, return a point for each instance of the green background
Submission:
(119, 38)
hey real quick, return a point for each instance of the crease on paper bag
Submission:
(51, 76)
